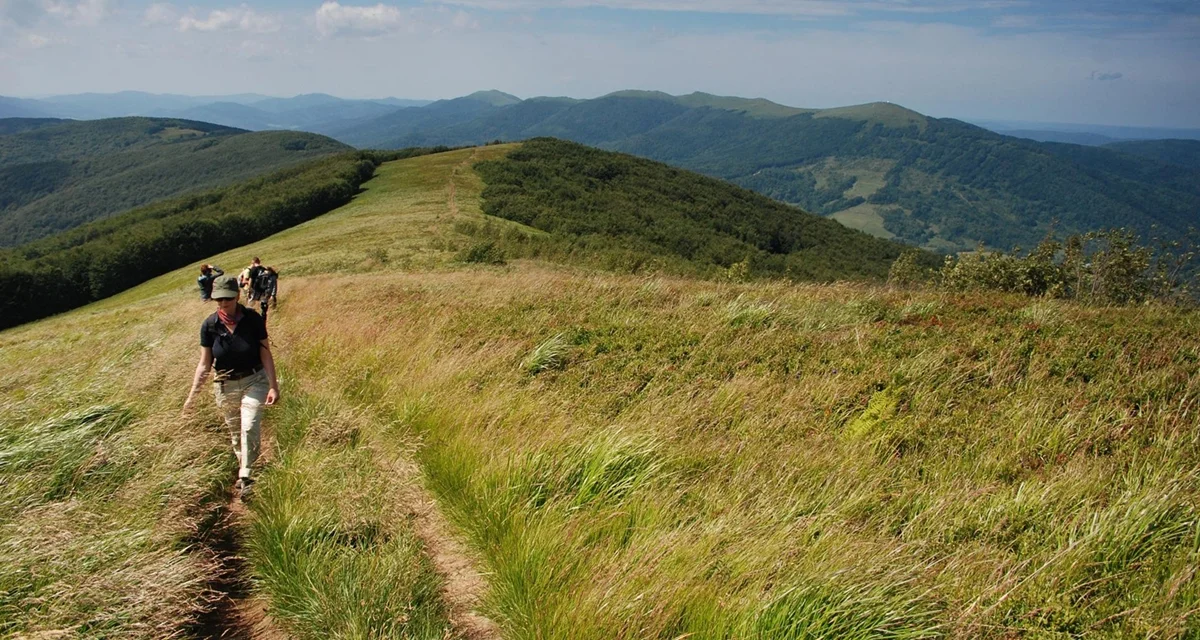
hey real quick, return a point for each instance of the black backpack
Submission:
(262, 282)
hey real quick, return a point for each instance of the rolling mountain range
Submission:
(942, 184)
(937, 183)
(310, 112)
(56, 175)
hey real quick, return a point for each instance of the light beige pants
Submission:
(241, 403)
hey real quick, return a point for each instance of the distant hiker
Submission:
(267, 289)
(249, 277)
(208, 273)
(234, 342)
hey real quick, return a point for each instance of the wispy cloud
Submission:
(241, 18)
(806, 8)
(85, 12)
(334, 19)
(160, 13)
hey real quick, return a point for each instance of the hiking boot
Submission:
(243, 488)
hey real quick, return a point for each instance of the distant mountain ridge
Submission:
(56, 175)
(250, 111)
(938, 183)
(878, 167)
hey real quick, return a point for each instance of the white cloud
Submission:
(334, 19)
(805, 8)
(85, 12)
(160, 13)
(241, 18)
(463, 20)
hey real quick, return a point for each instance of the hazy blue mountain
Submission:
(311, 112)
(1111, 131)
(392, 129)
(279, 105)
(230, 114)
(402, 102)
(22, 108)
(1183, 153)
(1071, 137)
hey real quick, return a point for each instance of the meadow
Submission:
(621, 455)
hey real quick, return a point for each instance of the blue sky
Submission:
(1101, 62)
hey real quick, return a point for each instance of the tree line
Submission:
(97, 260)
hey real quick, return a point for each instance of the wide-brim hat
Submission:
(225, 287)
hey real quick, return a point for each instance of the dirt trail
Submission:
(463, 587)
(451, 189)
(236, 613)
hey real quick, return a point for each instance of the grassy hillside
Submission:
(626, 456)
(878, 167)
(60, 176)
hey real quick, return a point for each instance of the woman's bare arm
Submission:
(206, 360)
(269, 365)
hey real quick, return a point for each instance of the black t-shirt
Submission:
(237, 351)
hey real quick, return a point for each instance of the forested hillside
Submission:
(1184, 153)
(58, 175)
(107, 256)
(616, 202)
(895, 173)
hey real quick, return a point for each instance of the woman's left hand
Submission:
(272, 396)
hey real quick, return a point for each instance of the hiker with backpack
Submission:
(208, 273)
(266, 288)
(233, 342)
(248, 278)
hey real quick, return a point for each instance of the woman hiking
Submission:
(234, 342)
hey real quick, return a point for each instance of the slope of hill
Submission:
(624, 456)
(881, 168)
(603, 198)
(60, 176)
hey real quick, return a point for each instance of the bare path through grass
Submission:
(463, 585)
(236, 613)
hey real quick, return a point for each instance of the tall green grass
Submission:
(329, 543)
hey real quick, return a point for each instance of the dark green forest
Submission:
(610, 201)
(101, 258)
(55, 175)
(1183, 153)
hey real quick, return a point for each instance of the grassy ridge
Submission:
(652, 457)
(61, 176)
